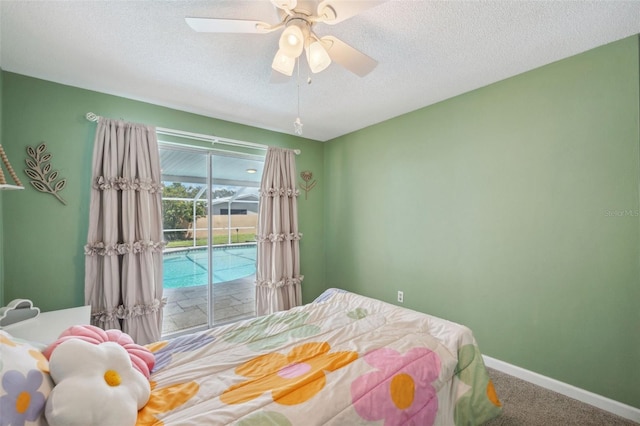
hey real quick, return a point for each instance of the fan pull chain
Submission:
(297, 125)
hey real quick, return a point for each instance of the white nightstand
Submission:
(46, 327)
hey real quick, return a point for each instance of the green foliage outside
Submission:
(179, 214)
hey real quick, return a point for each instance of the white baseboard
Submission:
(610, 405)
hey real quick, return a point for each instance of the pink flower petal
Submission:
(383, 358)
(371, 392)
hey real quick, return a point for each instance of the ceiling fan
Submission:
(298, 18)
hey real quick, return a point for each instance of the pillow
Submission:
(141, 357)
(25, 383)
(95, 385)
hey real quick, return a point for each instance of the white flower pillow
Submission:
(95, 385)
(25, 383)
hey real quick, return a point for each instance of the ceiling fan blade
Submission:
(278, 77)
(335, 11)
(285, 4)
(348, 57)
(214, 25)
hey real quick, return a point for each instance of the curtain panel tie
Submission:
(118, 249)
(282, 283)
(125, 184)
(123, 312)
(275, 238)
(280, 192)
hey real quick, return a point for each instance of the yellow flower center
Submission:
(23, 401)
(492, 395)
(112, 378)
(402, 390)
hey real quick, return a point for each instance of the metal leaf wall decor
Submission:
(39, 169)
(307, 185)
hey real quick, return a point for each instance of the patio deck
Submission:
(186, 308)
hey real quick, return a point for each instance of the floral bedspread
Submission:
(343, 360)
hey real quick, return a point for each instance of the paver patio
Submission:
(186, 307)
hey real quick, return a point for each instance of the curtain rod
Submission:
(198, 136)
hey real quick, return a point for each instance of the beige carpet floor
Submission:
(526, 404)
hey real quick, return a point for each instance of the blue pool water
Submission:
(187, 268)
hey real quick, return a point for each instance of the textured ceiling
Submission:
(428, 51)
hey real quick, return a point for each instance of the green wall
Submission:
(512, 209)
(44, 239)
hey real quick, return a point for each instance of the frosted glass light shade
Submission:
(318, 57)
(283, 63)
(292, 41)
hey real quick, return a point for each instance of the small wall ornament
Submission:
(39, 169)
(12, 173)
(306, 186)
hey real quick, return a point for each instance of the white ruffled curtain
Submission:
(123, 255)
(278, 276)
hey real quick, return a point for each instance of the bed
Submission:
(344, 359)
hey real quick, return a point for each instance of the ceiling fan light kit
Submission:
(296, 38)
(298, 18)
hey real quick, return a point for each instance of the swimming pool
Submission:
(187, 268)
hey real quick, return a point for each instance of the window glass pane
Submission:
(207, 283)
(236, 184)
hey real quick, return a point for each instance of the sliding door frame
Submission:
(209, 152)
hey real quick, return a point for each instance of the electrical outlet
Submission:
(401, 296)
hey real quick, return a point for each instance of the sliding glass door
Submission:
(210, 209)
